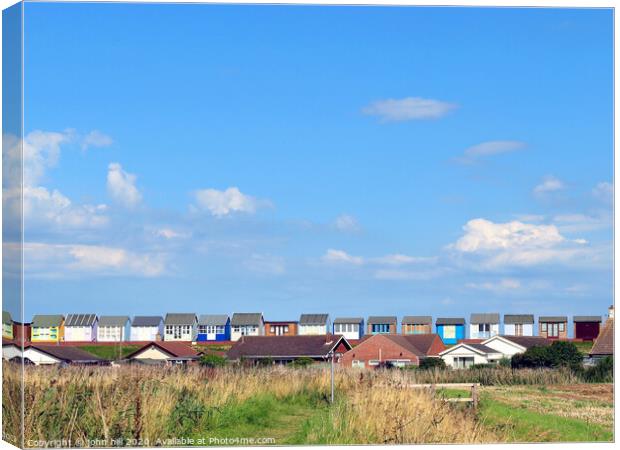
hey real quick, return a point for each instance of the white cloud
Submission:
(222, 203)
(604, 192)
(549, 184)
(95, 139)
(346, 222)
(407, 275)
(506, 284)
(340, 256)
(122, 186)
(409, 108)
(489, 148)
(41, 151)
(169, 233)
(66, 260)
(266, 264)
(398, 259)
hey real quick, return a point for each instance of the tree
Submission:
(558, 354)
(432, 363)
(212, 361)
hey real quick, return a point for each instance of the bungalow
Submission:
(286, 349)
(113, 329)
(397, 350)
(47, 328)
(509, 346)
(604, 344)
(465, 355)
(281, 328)
(313, 324)
(483, 326)
(213, 327)
(81, 328)
(50, 354)
(165, 353)
(180, 327)
(382, 324)
(450, 329)
(147, 328)
(247, 324)
(7, 325)
(351, 328)
(586, 328)
(553, 327)
(417, 325)
(519, 324)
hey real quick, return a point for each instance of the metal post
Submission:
(332, 398)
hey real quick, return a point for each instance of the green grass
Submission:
(524, 425)
(454, 393)
(110, 352)
(584, 347)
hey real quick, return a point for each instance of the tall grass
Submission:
(495, 376)
(144, 405)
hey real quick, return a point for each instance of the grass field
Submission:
(110, 352)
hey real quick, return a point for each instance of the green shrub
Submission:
(558, 354)
(212, 361)
(602, 372)
(432, 363)
(302, 362)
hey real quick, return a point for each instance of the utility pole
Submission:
(332, 398)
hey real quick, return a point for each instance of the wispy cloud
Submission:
(265, 264)
(489, 148)
(506, 284)
(122, 186)
(409, 108)
(604, 192)
(549, 184)
(95, 138)
(340, 256)
(223, 203)
(346, 222)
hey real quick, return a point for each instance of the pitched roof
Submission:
(174, 349)
(47, 320)
(67, 353)
(477, 318)
(418, 344)
(479, 348)
(113, 321)
(587, 319)
(213, 320)
(146, 321)
(80, 320)
(6, 317)
(382, 319)
(180, 319)
(241, 319)
(348, 320)
(552, 319)
(528, 341)
(285, 346)
(450, 321)
(604, 343)
(417, 320)
(518, 318)
(313, 319)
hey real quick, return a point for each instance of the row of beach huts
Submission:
(190, 327)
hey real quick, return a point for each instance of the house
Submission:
(382, 324)
(313, 324)
(165, 352)
(180, 327)
(604, 344)
(147, 328)
(586, 328)
(213, 327)
(465, 355)
(553, 327)
(47, 328)
(113, 329)
(483, 325)
(519, 324)
(7, 325)
(22, 332)
(417, 325)
(247, 324)
(450, 329)
(351, 328)
(81, 328)
(397, 350)
(39, 354)
(509, 346)
(281, 328)
(286, 349)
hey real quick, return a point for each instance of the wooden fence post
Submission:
(474, 395)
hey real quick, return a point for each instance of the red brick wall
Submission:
(369, 350)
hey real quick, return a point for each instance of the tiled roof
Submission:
(372, 320)
(241, 319)
(587, 319)
(284, 346)
(484, 318)
(518, 318)
(213, 320)
(418, 344)
(174, 349)
(348, 320)
(604, 343)
(113, 321)
(450, 321)
(47, 320)
(313, 319)
(417, 320)
(483, 348)
(146, 321)
(80, 320)
(67, 353)
(180, 319)
(552, 319)
(528, 341)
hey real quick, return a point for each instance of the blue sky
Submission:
(288, 159)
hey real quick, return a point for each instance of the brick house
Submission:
(553, 327)
(417, 325)
(380, 349)
(382, 324)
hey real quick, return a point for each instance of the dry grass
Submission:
(144, 404)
